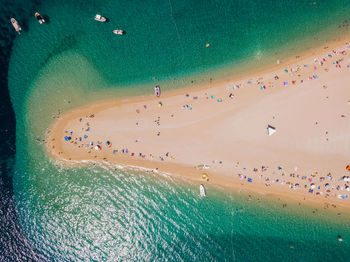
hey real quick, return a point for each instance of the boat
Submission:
(157, 90)
(16, 25)
(202, 190)
(40, 18)
(118, 32)
(100, 18)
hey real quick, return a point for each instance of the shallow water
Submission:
(103, 213)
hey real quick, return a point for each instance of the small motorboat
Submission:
(16, 25)
(100, 18)
(202, 190)
(157, 91)
(118, 32)
(40, 18)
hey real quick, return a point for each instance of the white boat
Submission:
(100, 18)
(157, 91)
(118, 32)
(16, 25)
(202, 190)
(40, 18)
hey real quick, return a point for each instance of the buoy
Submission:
(207, 44)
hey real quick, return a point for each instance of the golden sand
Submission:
(220, 129)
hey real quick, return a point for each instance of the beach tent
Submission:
(271, 130)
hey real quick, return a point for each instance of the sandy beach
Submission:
(221, 130)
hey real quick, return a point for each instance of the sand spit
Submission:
(284, 132)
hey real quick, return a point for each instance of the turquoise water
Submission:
(102, 213)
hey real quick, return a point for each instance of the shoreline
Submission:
(250, 192)
(175, 98)
(237, 71)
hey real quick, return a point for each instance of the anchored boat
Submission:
(202, 190)
(40, 18)
(100, 18)
(118, 32)
(16, 25)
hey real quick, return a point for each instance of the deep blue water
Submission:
(14, 245)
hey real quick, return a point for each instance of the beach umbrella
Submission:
(98, 147)
(348, 168)
(204, 176)
(327, 186)
(312, 185)
(67, 138)
(108, 143)
(297, 186)
(200, 167)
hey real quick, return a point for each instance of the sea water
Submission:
(104, 213)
